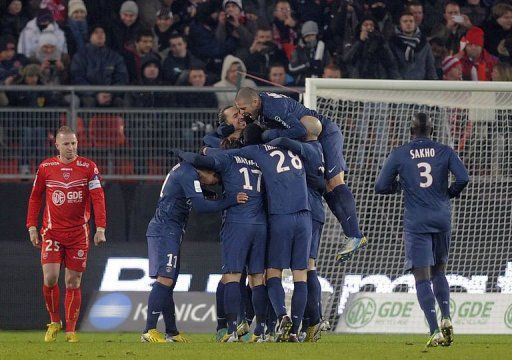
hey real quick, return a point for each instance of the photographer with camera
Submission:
(233, 21)
(262, 53)
(54, 65)
(453, 28)
(370, 56)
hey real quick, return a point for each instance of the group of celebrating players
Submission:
(276, 160)
(273, 187)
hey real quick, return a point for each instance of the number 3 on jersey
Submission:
(295, 161)
(425, 172)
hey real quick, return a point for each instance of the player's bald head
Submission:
(248, 102)
(313, 127)
(246, 94)
(421, 125)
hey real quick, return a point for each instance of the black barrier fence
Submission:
(21, 299)
(130, 206)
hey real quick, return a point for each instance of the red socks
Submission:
(72, 302)
(52, 300)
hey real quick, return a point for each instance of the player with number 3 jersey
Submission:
(421, 168)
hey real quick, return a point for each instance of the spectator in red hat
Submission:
(476, 62)
(452, 68)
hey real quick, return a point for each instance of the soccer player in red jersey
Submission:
(71, 183)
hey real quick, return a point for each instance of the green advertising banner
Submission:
(401, 313)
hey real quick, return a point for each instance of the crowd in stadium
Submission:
(202, 43)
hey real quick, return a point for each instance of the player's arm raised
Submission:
(34, 206)
(98, 204)
(461, 174)
(387, 182)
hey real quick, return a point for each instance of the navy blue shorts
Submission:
(315, 238)
(164, 256)
(332, 144)
(425, 250)
(290, 241)
(243, 245)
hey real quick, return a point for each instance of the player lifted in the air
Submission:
(180, 192)
(282, 115)
(71, 183)
(311, 153)
(423, 167)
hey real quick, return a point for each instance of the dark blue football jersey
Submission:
(212, 140)
(284, 177)
(175, 202)
(284, 113)
(312, 155)
(423, 167)
(242, 175)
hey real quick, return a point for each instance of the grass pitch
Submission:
(29, 345)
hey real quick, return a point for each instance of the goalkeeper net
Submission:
(374, 116)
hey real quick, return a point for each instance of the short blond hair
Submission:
(65, 130)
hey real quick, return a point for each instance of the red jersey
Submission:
(70, 189)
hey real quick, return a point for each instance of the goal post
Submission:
(475, 118)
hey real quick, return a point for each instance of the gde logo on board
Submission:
(361, 312)
(110, 311)
(508, 317)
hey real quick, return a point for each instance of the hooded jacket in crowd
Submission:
(228, 98)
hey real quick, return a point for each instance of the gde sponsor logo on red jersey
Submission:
(59, 197)
(74, 196)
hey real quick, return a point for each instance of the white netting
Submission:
(478, 125)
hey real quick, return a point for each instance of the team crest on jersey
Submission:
(80, 253)
(58, 197)
(66, 175)
(45, 256)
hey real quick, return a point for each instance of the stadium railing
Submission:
(127, 143)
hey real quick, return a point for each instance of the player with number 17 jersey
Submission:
(287, 194)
